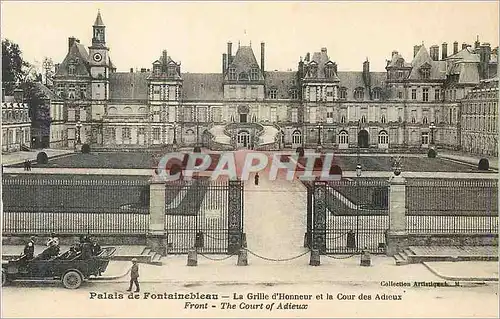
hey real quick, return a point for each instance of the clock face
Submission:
(97, 57)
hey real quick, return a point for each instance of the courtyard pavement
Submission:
(20, 157)
(468, 158)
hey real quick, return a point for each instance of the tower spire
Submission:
(98, 20)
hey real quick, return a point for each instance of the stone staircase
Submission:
(419, 254)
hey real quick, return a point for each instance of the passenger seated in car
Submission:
(96, 248)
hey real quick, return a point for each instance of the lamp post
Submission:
(78, 132)
(319, 127)
(174, 141)
(432, 127)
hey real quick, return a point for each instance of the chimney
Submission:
(308, 57)
(323, 50)
(366, 73)
(164, 56)
(262, 55)
(229, 53)
(71, 41)
(434, 52)
(484, 60)
(394, 53)
(131, 70)
(464, 45)
(18, 95)
(77, 40)
(224, 63)
(444, 51)
(56, 67)
(415, 50)
(477, 43)
(455, 47)
(143, 70)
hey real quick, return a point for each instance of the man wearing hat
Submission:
(134, 275)
(29, 249)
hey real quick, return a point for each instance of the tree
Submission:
(14, 68)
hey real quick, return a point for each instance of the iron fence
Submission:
(80, 204)
(199, 214)
(452, 206)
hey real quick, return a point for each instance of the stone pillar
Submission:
(157, 236)
(319, 217)
(397, 236)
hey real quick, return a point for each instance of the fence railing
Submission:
(452, 206)
(80, 204)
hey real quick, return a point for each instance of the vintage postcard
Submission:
(306, 159)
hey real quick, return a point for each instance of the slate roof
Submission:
(202, 86)
(79, 55)
(48, 92)
(394, 60)
(469, 73)
(437, 68)
(321, 59)
(244, 60)
(98, 20)
(282, 81)
(128, 86)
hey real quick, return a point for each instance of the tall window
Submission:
(126, 133)
(342, 119)
(254, 74)
(83, 91)
(425, 94)
(112, 134)
(413, 94)
(156, 133)
(60, 89)
(295, 116)
(376, 94)
(171, 72)
(383, 138)
(232, 74)
(425, 138)
(71, 91)
(343, 138)
(400, 95)
(294, 94)
(254, 93)
(296, 137)
(273, 94)
(71, 69)
(383, 119)
(437, 94)
(363, 119)
(329, 72)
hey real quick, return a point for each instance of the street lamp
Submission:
(319, 127)
(174, 141)
(432, 127)
(79, 127)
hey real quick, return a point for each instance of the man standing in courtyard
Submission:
(134, 275)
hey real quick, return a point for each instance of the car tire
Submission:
(72, 279)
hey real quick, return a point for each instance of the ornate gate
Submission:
(344, 217)
(204, 214)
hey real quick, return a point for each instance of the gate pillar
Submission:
(235, 216)
(396, 235)
(156, 238)
(319, 217)
(310, 199)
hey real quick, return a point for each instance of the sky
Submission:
(196, 33)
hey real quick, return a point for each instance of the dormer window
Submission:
(294, 94)
(359, 93)
(71, 92)
(314, 71)
(171, 72)
(425, 71)
(71, 69)
(343, 93)
(232, 74)
(329, 72)
(377, 92)
(156, 69)
(254, 74)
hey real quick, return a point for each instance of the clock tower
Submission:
(99, 61)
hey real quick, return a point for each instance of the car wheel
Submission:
(72, 279)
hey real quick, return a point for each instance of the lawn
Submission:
(347, 163)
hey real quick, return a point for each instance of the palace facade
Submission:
(414, 104)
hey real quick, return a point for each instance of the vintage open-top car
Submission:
(71, 269)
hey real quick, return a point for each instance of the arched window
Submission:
(127, 110)
(383, 139)
(343, 138)
(424, 120)
(142, 110)
(297, 137)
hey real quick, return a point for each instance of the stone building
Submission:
(16, 123)
(410, 106)
(479, 119)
